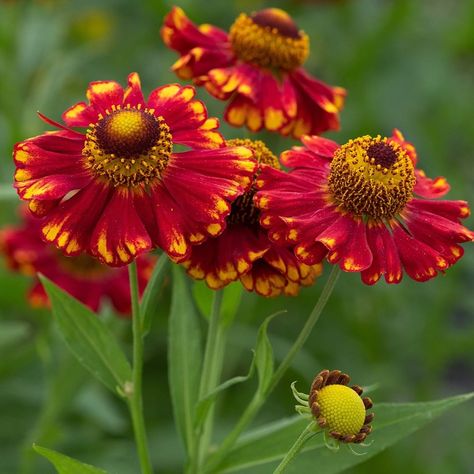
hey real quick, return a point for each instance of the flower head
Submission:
(121, 189)
(83, 277)
(337, 408)
(365, 206)
(257, 66)
(244, 252)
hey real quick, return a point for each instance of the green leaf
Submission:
(184, 356)
(232, 294)
(65, 464)
(264, 355)
(151, 295)
(260, 451)
(205, 404)
(88, 338)
(231, 302)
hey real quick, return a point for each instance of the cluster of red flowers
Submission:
(225, 209)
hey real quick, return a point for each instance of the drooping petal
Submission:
(385, 256)
(318, 105)
(181, 34)
(114, 243)
(346, 240)
(223, 260)
(420, 261)
(70, 224)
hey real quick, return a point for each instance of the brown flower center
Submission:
(269, 38)
(243, 210)
(372, 177)
(128, 146)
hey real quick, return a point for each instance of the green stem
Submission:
(259, 399)
(296, 448)
(135, 402)
(211, 372)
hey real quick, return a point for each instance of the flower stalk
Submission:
(259, 399)
(134, 392)
(211, 371)
(305, 435)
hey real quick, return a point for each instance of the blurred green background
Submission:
(406, 64)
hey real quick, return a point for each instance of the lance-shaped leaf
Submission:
(264, 356)
(88, 338)
(184, 356)
(65, 464)
(260, 451)
(151, 296)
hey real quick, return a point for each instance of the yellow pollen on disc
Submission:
(243, 210)
(128, 147)
(342, 408)
(371, 177)
(269, 38)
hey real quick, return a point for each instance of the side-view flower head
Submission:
(82, 276)
(257, 67)
(337, 408)
(243, 251)
(365, 206)
(120, 189)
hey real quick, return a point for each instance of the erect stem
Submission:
(211, 371)
(296, 448)
(259, 399)
(135, 402)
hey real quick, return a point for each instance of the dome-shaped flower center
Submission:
(243, 210)
(269, 38)
(372, 177)
(342, 408)
(128, 146)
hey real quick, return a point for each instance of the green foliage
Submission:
(65, 464)
(150, 304)
(260, 451)
(89, 339)
(264, 356)
(184, 356)
(405, 64)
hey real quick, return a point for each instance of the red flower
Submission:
(365, 207)
(257, 66)
(82, 277)
(120, 189)
(243, 251)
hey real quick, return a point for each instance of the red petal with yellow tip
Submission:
(420, 261)
(452, 210)
(70, 224)
(176, 105)
(133, 93)
(347, 243)
(430, 188)
(181, 34)
(114, 244)
(385, 256)
(103, 95)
